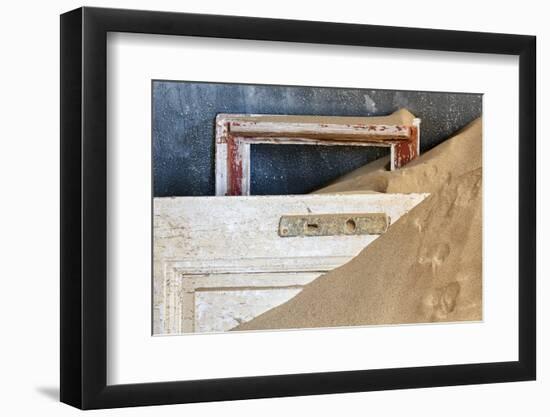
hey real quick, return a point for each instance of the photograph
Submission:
(271, 209)
(377, 221)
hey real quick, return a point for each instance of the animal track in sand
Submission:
(447, 299)
(417, 224)
(464, 195)
(439, 303)
(434, 255)
(430, 171)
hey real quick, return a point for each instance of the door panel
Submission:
(219, 261)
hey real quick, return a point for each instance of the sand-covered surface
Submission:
(425, 268)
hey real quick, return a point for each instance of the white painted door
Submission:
(221, 261)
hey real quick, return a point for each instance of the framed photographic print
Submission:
(257, 208)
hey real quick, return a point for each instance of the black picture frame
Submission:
(84, 207)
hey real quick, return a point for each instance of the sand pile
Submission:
(426, 268)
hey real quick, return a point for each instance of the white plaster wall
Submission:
(29, 110)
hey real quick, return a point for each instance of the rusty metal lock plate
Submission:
(333, 224)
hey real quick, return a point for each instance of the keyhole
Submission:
(312, 227)
(350, 226)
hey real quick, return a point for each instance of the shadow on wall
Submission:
(183, 131)
(51, 393)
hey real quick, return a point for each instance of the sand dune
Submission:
(426, 268)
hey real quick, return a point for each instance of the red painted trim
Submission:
(234, 167)
(407, 151)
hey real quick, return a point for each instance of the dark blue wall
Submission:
(183, 131)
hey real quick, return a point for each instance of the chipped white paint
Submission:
(343, 132)
(222, 310)
(416, 123)
(219, 261)
(221, 159)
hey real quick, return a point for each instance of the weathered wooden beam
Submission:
(235, 133)
(328, 131)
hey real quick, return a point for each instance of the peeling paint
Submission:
(239, 131)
